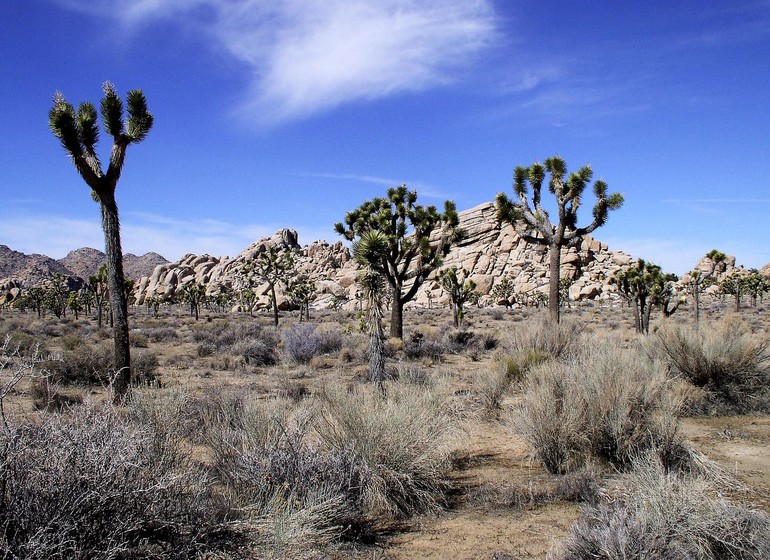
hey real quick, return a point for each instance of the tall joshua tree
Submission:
(411, 252)
(698, 277)
(79, 134)
(533, 222)
(366, 252)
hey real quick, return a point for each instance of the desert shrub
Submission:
(421, 346)
(457, 341)
(491, 386)
(161, 334)
(730, 364)
(138, 339)
(412, 374)
(71, 341)
(86, 364)
(558, 340)
(87, 485)
(488, 341)
(582, 486)
(666, 515)
(515, 366)
(222, 338)
(608, 404)
(49, 397)
(144, 365)
(399, 443)
(304, 342)
(264, 459)
(24, 342)
(256, 351)
(205, 349)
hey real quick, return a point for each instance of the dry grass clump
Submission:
(544, 337)
(85, 364)
(608, 405)
(582, 486)
(272, 470)
(302, 343)
(424, 345)
(255, 343)
(724, 359)
(398, 440)
(665, 515)
(93, 364)
(88, 485)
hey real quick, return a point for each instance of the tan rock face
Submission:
(489, 253)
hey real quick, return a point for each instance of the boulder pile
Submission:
(489, 252)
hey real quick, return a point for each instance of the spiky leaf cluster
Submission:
(533, 221)
(403, 246)
(78, 132)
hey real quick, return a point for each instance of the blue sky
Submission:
(289, 113)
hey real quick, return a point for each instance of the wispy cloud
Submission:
(56, 236)
(423, 189)
(309, 56)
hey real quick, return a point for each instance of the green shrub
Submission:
(87, 485)
(304, 342)
(544, 337)
(724, 359)
(667, 516)
(399, 443)
(608, 404)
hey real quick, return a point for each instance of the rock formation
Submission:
(489, 252)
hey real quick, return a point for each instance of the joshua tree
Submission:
(299, 291)
(533, 222)
(194, 294)
(644, 286)
(698, 279)
(99, 287)
(735, 284)
(417, 240)
(79, 133)
(367, 251)
(564, 285)
(56, 294)
(270, 267)
(504, 290)
(75, 303)
(756, 285)
(460, 289)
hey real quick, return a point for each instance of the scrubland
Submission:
(508, 438)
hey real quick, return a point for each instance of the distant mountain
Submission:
(80, 263)
(85, 262)
(137, 267)
(31, 269)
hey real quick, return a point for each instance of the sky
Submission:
(289, 113)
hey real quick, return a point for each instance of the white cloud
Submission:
(56, 236)
(309, 56)
(423, 189)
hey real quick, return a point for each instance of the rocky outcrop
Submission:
(329, 265)
(489, 253)
(709, 268)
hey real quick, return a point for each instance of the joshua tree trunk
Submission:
(554, 265)
(117, 287)
(275, 305)
(696, 300)
(397, 316)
